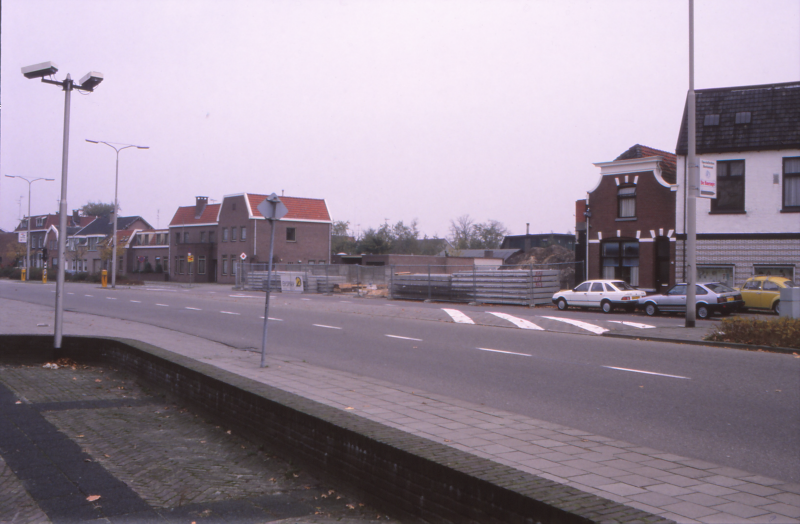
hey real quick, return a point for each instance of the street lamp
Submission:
(28, 241)
(116, 203)
(87, 83)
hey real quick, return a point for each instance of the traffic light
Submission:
(44, 254)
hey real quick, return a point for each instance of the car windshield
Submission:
(622, 286)
(716, 287)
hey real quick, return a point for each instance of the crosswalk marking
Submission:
(597, 330)
(519, 322)
(632, 324)
(458, 316)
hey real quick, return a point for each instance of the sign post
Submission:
(273, 209)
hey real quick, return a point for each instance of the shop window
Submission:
(774, 271)
(723, 274)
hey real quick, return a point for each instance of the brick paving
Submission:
(111, 451)
(678, 488)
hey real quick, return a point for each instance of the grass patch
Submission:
(781, 332)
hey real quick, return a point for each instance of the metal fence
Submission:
(531, 284)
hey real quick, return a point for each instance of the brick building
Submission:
(753, 226)
(631, 220)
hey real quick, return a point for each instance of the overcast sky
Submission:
(389, 110)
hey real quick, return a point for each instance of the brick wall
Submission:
(411, 475)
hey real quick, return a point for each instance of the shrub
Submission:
(781, 332)
(159, 268)
(148, 268)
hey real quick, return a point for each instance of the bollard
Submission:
(24, 274)
(104, 277)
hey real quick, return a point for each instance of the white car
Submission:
(605, 294)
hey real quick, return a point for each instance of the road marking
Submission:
(278, 319)
(458, 316)
(70, 293)
(632, 324)
(506, 352)
(345, 301)
(647, 372)
(389, 305)
(405, 338)
(88, 295)
(159, 289)
(136, 301)
(229, 313)
(583, 325)
(163, 305)
(305, 299)
(519, 322)
(194, 308)
(324, 326)
(110, 298)
(244, 296)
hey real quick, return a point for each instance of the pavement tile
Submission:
(697, 464)
(693, 473)
(713, 489)
(538, 463)
(720, 480)
(679, 480)
(773, 518)
(659, 464)
(719, 518)
(783, 509)
(679, 519)
(636, 480)
(757, 489)
(564, 471)
(730, 472)
(590, 480)
(787, 498)
(688, 509)
(740, 510)
(748, 499)
(669, 489)
(703, 499)
(763, 481)
(494, 449)
(622, 489)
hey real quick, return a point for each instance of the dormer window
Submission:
(711, 120)
(39, 221)
(743, 117)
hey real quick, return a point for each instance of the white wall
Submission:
(762, 197)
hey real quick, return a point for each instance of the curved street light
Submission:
(116, 203)
(87, 83)
(28, 241)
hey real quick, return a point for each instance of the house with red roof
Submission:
(218, 237)
(629, 220)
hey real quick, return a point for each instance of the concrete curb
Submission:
(727, 345)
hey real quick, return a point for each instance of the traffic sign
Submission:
(243, 256)
(272, 208)
(190, 258)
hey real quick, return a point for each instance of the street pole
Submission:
(692, 183)
(28, 242)
(116, 205)
(62, 221)
(269, 286)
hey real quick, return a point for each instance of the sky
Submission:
(389, 110)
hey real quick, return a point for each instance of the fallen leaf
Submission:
(97, 380)
(349, 407)
(18, 402)
(105, 455)
(92, 498)
(447, 440)
(351, 506)
(228, 432)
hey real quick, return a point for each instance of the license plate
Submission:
(730, 299)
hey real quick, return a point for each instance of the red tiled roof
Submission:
(299, 208)
(184, 216)
(668, 164)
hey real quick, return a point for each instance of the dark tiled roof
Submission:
(103, 225)
(299, 208)
(774, 119)
(185, 216)
(668, 170)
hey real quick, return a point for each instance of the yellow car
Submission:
(764, 292)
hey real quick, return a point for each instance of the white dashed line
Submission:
(519, 322)
(583, 325)
(632, 324)
(305, 299)
(194, 308)
(244, 296)
(229, 313)
(458, 316)
(110, 298)
(405, 338)
(324, 326)
(278, 319)
(647, 372)
(88, 295)
(506, 352)
(163, 305)
(136, 301)
(70, 293)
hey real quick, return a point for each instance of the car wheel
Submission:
(777, 307)
(562, 304)
(702, 311)
(606, 306)
(651, 310)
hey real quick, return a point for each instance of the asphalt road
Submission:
(735, 408)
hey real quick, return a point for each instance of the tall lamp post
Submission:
(28, 241)
(87, 83)
(116, 203)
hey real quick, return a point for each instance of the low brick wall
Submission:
(405, 473)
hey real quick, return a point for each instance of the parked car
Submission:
(710, 298)
(764, 292)
(605, 294)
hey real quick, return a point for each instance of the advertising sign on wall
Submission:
(708, 179)
(22, 237)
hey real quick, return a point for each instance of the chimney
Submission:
(527, 228)
(200, 206)
(76, 217)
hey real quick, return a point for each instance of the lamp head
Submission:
(40, 70)
(90, 81)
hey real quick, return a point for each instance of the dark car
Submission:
(710, 297)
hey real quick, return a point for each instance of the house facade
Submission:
(753, 225)
(629, 220)
(89, 248)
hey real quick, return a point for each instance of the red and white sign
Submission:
(243, 256)
(707, 184)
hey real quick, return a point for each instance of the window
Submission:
(711, 120)
(224, 264)
(224, 234)
(201, 265)
(181, 265)
(774, 271)
(291, 234)
(119, 267)
(626, 197)
(186, 237)
(620, 261)
(791, 184)
(40, 222)
(175, 267)
(177, 238)
(730, 187)
(752, 285)
(233, 234)
(582, 288)
(211, 236)
(202, 237)
(52, 244)
(722, 274)
(597, 287)
(743, 117)
(93, 244)
(244, 234)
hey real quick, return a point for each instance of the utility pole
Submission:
(692, 181)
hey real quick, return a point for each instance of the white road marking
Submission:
(229, 313)
(458, 316)
(647, 372)
(506, 352)
(519, 322)
(194, 308)
(88, 295)
(305, 299)
(324, 326)
(163, 305)
(632, 324)
(405, 338)
(345, 302)
(583, 325)
(159, 289)
(110, 298)
(389, 305)
(244, 296)
(136, 301)
(278, 319)
(70, 293)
